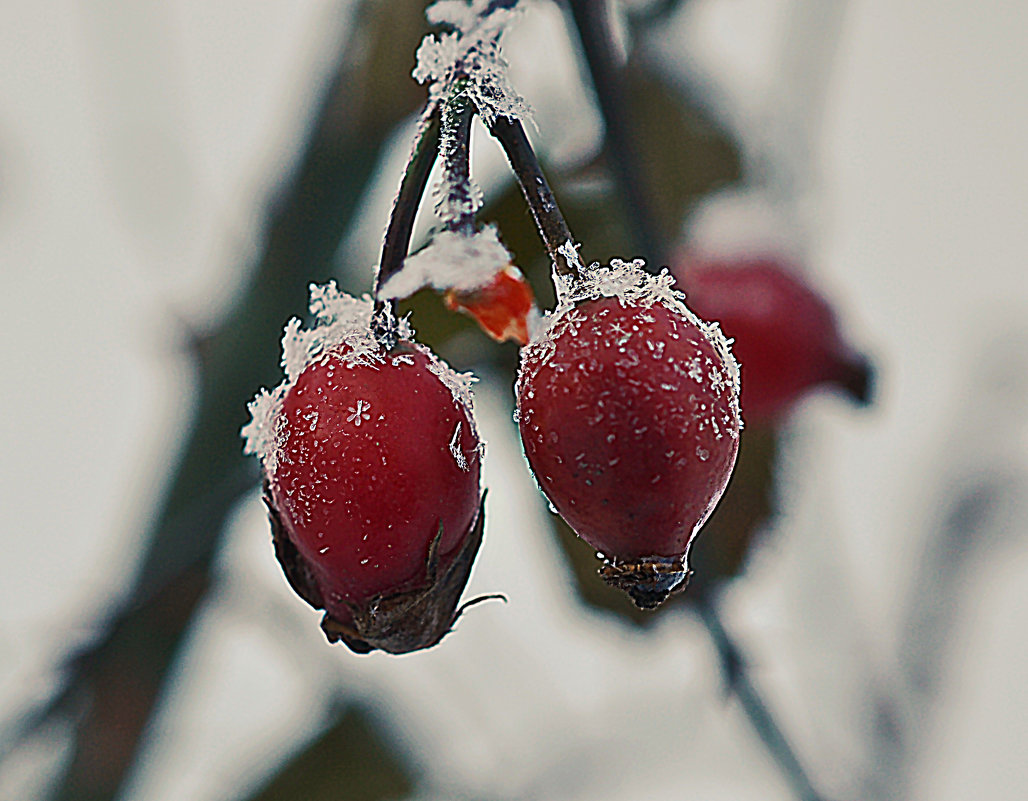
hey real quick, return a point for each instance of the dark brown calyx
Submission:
(295, 567)
(649, 580)
(412, 619)
(402, 622)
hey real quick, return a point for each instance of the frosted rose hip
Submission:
(628, 412)
(366, 476)
(371, 463)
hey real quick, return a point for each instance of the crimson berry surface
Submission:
(371, 462)
(629, 416)
(374, 463)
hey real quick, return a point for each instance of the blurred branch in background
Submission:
(111, 688)
(349, 759)
(595, 36)
(758, 713)
(980, 507)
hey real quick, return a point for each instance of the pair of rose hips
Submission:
(628, 409)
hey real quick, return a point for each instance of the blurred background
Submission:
(173, 175)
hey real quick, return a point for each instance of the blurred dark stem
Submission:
(408, 201)
(655, 12)
(592, 21)
(497, 5)
(553, 229)
(737, 678)
(901, 709)
(350, 759)
(112, 687)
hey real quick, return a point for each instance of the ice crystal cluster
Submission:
(452, 260)
(632, 286)
(342, 326)
(470, 53)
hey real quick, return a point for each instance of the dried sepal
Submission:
(398, 623)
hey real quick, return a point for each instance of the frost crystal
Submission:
(453, 260)
(472, 52)
(458, 454)
(359, 413)
(261, 433)
(569, 250)
(459, 384)
(339, 319)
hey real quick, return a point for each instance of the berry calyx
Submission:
(628, 408)
(786, 334)
(371, 464)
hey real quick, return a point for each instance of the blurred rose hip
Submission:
(786, 334)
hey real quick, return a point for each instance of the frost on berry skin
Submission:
(371, 477)
(628, 407)
(786, 334)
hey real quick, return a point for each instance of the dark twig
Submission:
(497, 5)
(656, 12)
(553, 229)
(733, 665)
(408, 200)
(594, 32)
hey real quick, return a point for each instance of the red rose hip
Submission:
(629, 415)
(371, 462)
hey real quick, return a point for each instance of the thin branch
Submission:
(594, 31)
(733, 665)
(408, 200)
(553, 229)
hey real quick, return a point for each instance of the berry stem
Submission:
(553, 228)
(734, 668)
(455, 145)
(592, 22)
(408, 200)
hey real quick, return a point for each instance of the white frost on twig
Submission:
(452, 260)
(471, 51)
(457, 197)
